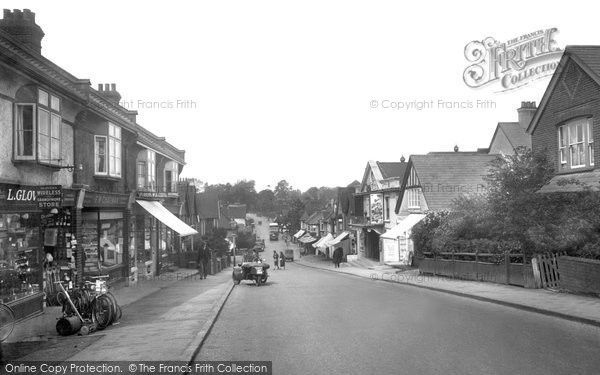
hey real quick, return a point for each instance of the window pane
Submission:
(563, 136)
(111, 147)
(590, 126)
(112, 164)
(43, 97)
(111, 129)
(117, 132)
(580, 132)
(44, 147)
(100, 155)
(55, 103)
(43, 122)
(55, 130)
(55, 152)
(117, 149)
(25, 136)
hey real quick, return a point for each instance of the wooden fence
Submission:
(510, 269)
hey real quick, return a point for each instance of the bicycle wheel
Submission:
(117, 313)
(103, 311)
(7, 322)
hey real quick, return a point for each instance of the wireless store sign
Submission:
(29, 198)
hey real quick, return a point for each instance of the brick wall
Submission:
(579, 275)
(574, 95)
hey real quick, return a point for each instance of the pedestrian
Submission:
(337, 257)
(275, 259)
(282, 260)
(204, 261)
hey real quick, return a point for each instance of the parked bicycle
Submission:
(7, 321)
(93, 304)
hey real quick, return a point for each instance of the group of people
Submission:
(278, 260)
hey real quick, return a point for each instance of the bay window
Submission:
(38, 130)
(141, 175)
(151, 175)
(107, 152)
(171, 172)
(576, 144)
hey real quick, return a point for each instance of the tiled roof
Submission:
(515, 133)
(589, 55)
(207, 205)
(392, 169)
(314, 218)
(354, 183)
(445, 176)
(573, 182)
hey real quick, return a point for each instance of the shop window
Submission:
(21, 256)
(38, 130)
(102, 238)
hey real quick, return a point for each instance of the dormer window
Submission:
(38, 129)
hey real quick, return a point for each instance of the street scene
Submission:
(269, 188)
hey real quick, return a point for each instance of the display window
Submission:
(102, 239)
(21, 255)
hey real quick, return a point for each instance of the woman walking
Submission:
(282, 260)
(275, 259)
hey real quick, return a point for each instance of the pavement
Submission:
(578, 308)
(170, 314)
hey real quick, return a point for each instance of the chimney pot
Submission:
(455, 148)
(113, 87)
(99, 87)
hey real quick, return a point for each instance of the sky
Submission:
(301, 91)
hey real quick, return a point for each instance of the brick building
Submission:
(71, 177)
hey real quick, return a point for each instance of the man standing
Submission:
(338, 254)
(203, 260)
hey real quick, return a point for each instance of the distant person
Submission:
(282, 260)
(338, 254)
(203, 261)
(275, 260)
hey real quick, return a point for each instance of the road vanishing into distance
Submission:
(310, 321)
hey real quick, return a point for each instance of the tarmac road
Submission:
(311, 321)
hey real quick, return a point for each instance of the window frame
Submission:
(16, 155)
(144, 170)
(386, 208)
(96, 172)
(114, 160)
(572, 144)
(151, 169)
(412, 197)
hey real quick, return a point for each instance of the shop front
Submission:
(159, 236)
(35, 244)
(104, 235)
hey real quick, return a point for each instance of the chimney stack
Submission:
(109, 91)
(526, 113)
(22, 26)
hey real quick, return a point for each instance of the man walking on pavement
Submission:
(203, 260)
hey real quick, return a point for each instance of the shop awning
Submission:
(157, 210)
(307, 239)
(342, 236)
(323, 241)
(400, 229)
(300, 233)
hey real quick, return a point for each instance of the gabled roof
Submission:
(392, 169)
(207, 205)
(517, 136)
(444, 176)
(354, 183)
(586, 57)
(314, 218)
(304, 217)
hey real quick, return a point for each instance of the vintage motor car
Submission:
(253, 271)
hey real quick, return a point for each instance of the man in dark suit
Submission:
(338, 254)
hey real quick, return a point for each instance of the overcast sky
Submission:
(282, 90)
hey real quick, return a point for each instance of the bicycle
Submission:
(104, 307)
(7, 321)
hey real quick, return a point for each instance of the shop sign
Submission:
(23, 197)
(96, 199)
